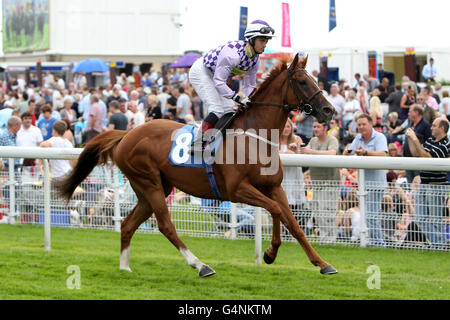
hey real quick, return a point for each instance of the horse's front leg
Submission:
(246, 193)
(287, 217)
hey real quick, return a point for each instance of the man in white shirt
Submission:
(28, 136)
(183, 104)
(137, 118)
(59, 168)
(162, 98)
(337, 101)
(123, 108)
(429, 71)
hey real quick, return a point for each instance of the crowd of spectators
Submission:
(377, 118)
(29, 114)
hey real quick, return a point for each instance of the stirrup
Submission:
(198, 145)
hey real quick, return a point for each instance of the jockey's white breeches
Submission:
(201, 79)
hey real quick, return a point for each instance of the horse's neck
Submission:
(266, 117)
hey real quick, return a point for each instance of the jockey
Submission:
(211, 74)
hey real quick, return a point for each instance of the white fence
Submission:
(105, 198)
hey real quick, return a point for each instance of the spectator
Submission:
(337, 101)
(115, 95)
(47, 121)
(334, 129)
(117, 121)
(444, 107)
(422, 130)
(375, 110)
(326, 183)
(394, 100)
(183, 104)
(68, 135)
(388, 219)
(94, 123)
(80, 132)
(163, 97)
(394, 130)
(358, 81)
(430, 200)
(373, 144)
(28, 136)
(349, 219)
(5, 114)
(408, 99)
(372, 83)
(429, 114)
(32, 111)
(68, 113)
(55, 114)
(363, 98)
(292, 176)
(154, 108)
(2, 100)
(59, 168)
(197, 106)
(134, 96)
(304, 124)
(23, 105)
(172, 104)
(384, 89)
(137, 118)
(429, 99)
(351, 107)
(429, 71)
(8, 137)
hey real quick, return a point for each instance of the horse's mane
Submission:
(279, 68)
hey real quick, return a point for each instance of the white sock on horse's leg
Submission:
(125, 260)
(191, 259)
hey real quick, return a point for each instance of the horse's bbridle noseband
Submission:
(303, 106)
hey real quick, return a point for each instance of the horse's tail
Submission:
(97, 152)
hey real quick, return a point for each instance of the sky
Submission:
(360, 23)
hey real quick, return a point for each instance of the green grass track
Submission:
(161, 273)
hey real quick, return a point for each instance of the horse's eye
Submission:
(302, 82)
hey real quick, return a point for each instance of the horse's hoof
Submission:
(267, 259)
(206, 271)
(127, 269)
(328, 270)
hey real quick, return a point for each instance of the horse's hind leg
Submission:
(157, 200)
(140, 214)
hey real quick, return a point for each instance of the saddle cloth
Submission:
(180, 154)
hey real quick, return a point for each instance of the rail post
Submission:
(233, 220)
(116, 187)
(362, 193)
(12, 192)
(47, 208)
(258, 236)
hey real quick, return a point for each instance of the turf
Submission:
(161, 273)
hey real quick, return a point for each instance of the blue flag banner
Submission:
(243, 22)
(332, 14)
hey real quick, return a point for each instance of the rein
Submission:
(303, 106)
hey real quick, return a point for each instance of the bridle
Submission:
(304, 106)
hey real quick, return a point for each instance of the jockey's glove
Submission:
(242, 100)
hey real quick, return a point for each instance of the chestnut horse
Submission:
(143, 156)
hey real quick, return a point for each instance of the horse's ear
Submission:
(294, 63)
(304, 62)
